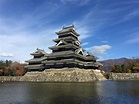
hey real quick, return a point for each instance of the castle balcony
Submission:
(36, 60)
(64, 46)
(65, 38)
(38, 66)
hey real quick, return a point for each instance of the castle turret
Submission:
(35, 64)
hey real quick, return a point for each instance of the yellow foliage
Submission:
(135, 67)
(128, 71)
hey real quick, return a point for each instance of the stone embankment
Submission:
(69, 75)
(99, 76)
(59, 75)
(124, 76)
(62, 75)
(10, 78)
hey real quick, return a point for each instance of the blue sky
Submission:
(108, 28)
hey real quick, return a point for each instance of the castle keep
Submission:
(67, 53)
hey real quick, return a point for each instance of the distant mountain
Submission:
(107, 64)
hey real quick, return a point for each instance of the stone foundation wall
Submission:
(10, 78)
(124, 76)
(59, 75)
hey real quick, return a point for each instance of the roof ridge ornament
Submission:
(77, 42)
(89, 54)
(79, 50)
(72, 26)
(60, 42)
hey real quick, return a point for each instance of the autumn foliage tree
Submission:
(9, 68)
(129, 66)
(119, 69)
(17, 68)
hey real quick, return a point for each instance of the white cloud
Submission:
(100, 49)
(132, 2)
(83, 30)
(20, 41)
(133, 38)
(21, 36)
(104, 41)
(22, 44)
(84, 2)
(96, 19)
(80, 2)
(100, 58)
(7, 55)
(131, 15)
(133, 41)
(85, 43)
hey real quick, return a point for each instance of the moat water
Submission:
(106, 92)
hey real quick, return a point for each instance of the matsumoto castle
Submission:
(67, 53)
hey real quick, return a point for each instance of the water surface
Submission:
(106, 92)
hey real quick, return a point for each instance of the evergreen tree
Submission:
(2, 65)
